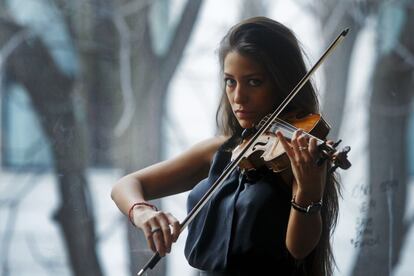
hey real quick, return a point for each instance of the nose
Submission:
(240, 95)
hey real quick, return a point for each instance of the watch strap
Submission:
(310, 209)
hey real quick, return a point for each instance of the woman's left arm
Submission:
(304, 229)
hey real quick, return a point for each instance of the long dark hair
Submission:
(275, 47)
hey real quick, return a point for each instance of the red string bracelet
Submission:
(139, 204)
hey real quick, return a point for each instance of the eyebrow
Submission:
(246, 76)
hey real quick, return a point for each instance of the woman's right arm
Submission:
(165, 178)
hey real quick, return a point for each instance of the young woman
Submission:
(253, 223)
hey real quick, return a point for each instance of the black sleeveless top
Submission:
(242, 229)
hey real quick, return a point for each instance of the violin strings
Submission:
(293, 128)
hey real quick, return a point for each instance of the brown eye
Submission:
(255, 82)
(229, 82)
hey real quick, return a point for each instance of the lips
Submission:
(244, 114)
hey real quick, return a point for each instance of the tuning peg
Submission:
(337, 143)
(341, 160)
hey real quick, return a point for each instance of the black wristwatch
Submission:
(310, 209)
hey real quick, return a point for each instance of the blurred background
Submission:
(93, 89)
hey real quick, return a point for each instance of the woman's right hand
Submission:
(161, 229)
(168, 177)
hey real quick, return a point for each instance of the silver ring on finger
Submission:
(303, 148)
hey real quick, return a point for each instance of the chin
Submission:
(246, 124)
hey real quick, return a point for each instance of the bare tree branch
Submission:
(335, 16)
(180, 39)
(134, 7)
(12, 44)
(125, 75)
(50, 91)
(405, 54)
(389, 113)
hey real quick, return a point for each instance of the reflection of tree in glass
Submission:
(111, 105)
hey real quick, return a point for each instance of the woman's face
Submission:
(248, 88)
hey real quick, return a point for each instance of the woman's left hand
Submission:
(303, 154)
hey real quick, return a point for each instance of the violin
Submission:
(268, 151)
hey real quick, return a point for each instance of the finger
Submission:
(295, 144)
(286, 146)
(158, 239)
(148, 236)
(176, 227)
(303, 147)
(313, 147)
(166, 231)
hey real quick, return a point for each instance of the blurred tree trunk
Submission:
(334, 17)
(384, 230)
(51, 93)
(138, 133)
(128, 57)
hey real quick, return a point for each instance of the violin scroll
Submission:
(339, 158)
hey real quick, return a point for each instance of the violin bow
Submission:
(233, 164)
